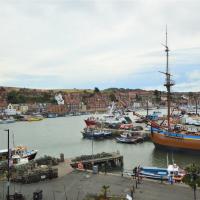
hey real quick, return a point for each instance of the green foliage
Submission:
(138, 98)
(109, 90)
(96, 90)
(157, 95)
(113, 97)
(190, 94)
(11, 97)
(103, 195)
(192, 177)
(53, 101)
(105, 189)
(25, 96)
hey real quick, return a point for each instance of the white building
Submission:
(59, 99)
(10, 110)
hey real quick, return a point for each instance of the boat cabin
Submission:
(17, 160)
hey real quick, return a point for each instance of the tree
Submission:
(113, 97)
(138, 98)
(192, 177)
(12, 97)
(96, 90)
(157, 95)
(105, 190)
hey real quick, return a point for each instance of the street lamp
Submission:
(92, 149)
(193, 178)
(8, 165)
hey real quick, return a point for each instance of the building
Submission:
(10, 110)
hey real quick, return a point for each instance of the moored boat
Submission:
(34, 118)
(7, 120)
(114, 118)
(168, 136)
(20, 151)
(25, 153)
(90, 121)
(130, 138)
(52, 115)
(171, 173)
(183, 140)
(96, 134)
(154, 173)
(17, 160)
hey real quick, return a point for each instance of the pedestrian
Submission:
(170, 179)
(135, 172)
(138, 174)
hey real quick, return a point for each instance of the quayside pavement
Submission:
(76, 184)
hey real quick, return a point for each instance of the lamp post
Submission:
(193, 180)
(92, 144)
(147, 106)
(92, 149)
(8, 166)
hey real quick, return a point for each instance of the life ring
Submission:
(80, 165)
(178, 178)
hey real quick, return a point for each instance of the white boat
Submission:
(19, 151)
(17, 160)
(190, 121)
(7, 120)
(112, 118)
(171, 173)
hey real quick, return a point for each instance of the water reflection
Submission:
(181, 158)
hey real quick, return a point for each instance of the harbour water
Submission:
(63, 135)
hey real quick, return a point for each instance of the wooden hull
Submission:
(176, 141)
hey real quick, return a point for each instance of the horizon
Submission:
(92, 89)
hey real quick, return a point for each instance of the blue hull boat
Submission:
(154, 173)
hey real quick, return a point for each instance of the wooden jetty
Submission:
(103, 162)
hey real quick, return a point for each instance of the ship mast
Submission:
(169, 83)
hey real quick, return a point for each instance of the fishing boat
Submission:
(130, 138)
(167, 136)
(20, 151)
(126, 126)
(7, 120)
(154, 173)
(52, 115)
(34, 118)
(113, 119)
(17, 160)
(23, 152)
(96, 134)
(90, 121)
(172, 170)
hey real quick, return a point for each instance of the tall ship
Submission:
(172, 136)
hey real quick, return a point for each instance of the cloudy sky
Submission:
(99, 43)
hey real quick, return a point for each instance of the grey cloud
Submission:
(106, 38)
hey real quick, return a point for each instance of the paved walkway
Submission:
(76, 185)
(64, 168)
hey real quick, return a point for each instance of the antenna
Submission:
(172, 158)
(13, 140)
(167, 159)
